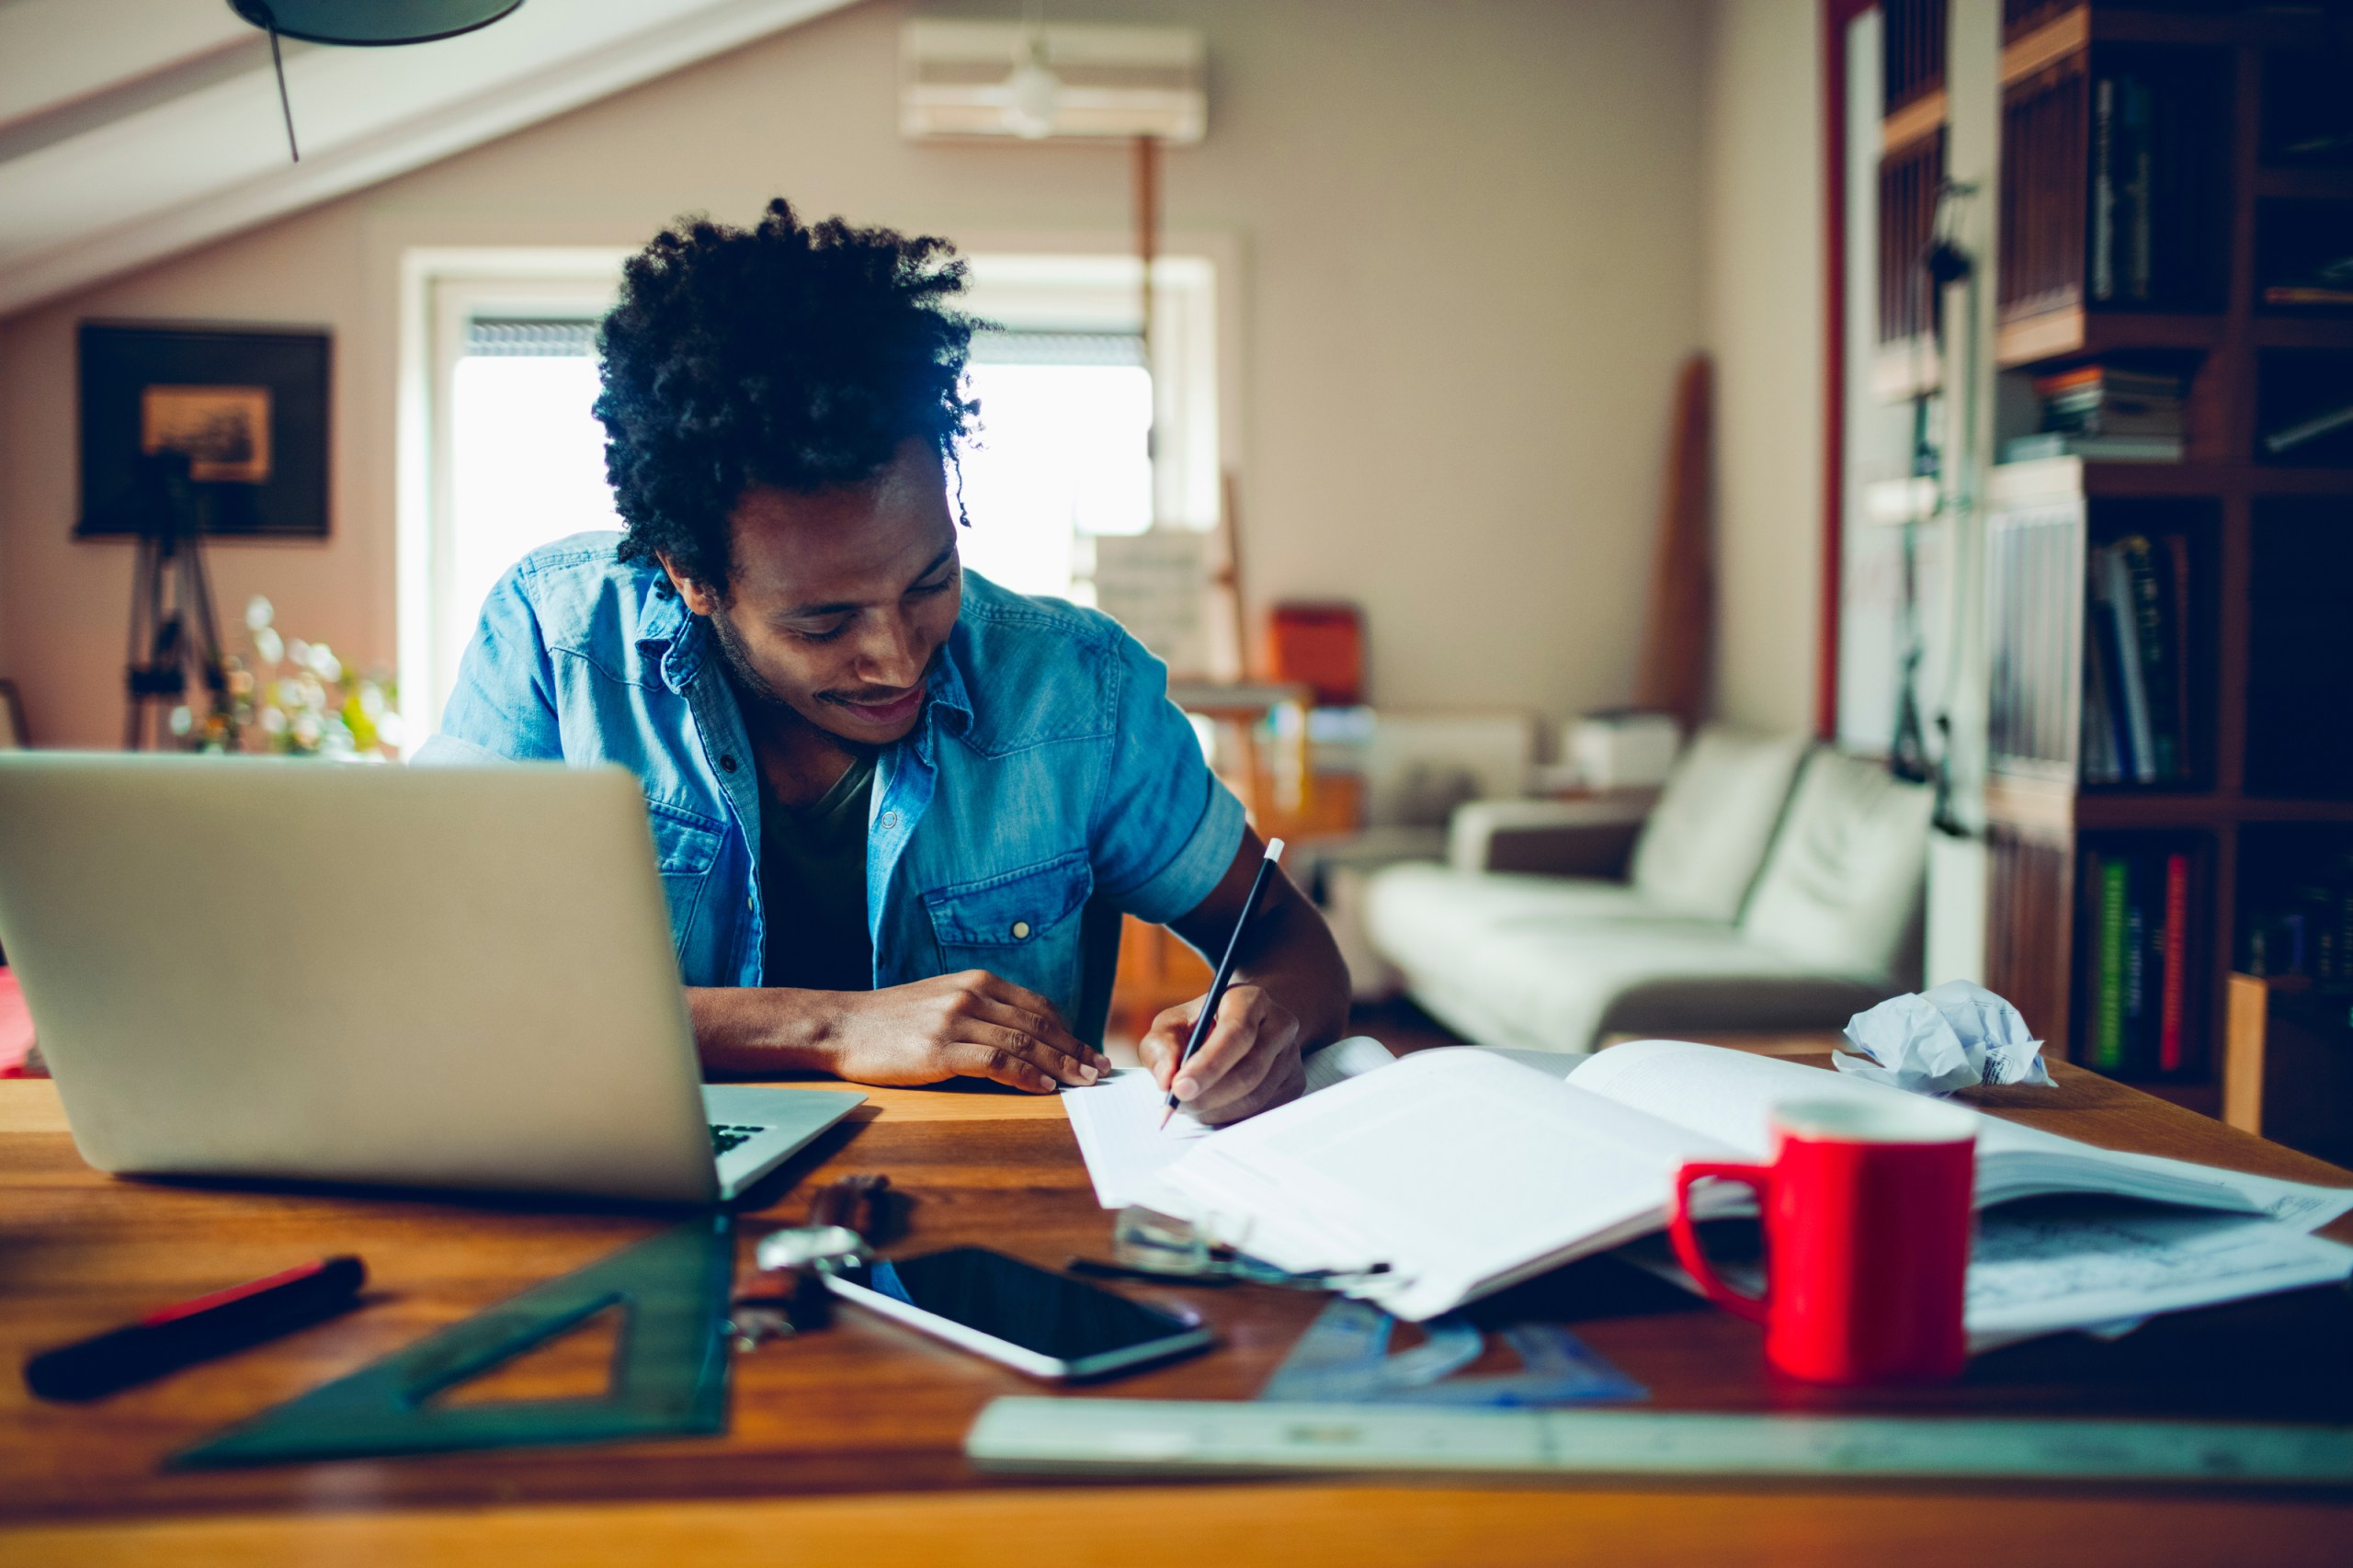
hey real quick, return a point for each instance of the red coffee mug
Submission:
(1865, 1210)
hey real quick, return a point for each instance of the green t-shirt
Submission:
(813, 878)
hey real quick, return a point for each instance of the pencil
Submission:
(1202, 1025)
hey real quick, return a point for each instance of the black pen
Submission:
(180, 1335)
(1224, 973)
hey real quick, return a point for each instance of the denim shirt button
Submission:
(1021, 930)
(888, 819)
(727, 762)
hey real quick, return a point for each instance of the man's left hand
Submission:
(1248, 1063)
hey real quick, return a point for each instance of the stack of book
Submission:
(2137, 909)
(2136, 690)
(2106, 413)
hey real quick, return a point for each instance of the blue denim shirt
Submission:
(1049, 765)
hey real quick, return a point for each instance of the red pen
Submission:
(188, 1331)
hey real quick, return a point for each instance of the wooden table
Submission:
(845, 1445)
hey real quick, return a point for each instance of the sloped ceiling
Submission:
(133, 129)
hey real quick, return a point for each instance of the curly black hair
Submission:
(789, 355)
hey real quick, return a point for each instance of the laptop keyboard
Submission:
(723, 1137)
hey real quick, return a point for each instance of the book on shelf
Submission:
(2123, 246)
(2112, 878)
(2304, 431)
(2158, 643)
(2132, 688)
(2138, 910)
(2330, 283)
(2103, 240)
(2092, 449)
(2136, 686)
(2103, 660)
(2175, 958)
(2151, 148)
(2139, 193)
(2102, 762)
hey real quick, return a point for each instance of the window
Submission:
(1063, 455)
(526, 453)
(501, 452)
(1081, 442)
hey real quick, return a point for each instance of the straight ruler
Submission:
(1062, 1434)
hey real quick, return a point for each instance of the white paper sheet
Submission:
(1118, 1120)
(2101, 1265)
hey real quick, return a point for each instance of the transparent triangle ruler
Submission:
(669, 1368)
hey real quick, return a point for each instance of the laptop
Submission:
(435, 977)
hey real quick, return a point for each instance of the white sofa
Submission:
(1775, 886)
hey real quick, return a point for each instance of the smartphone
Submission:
(1032, 1319)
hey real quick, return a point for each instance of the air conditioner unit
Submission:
(961, 79)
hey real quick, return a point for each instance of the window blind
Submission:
(532, 337)
(997, 348)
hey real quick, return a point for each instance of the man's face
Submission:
(840, 597)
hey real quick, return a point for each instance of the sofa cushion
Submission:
(1700, 850)
(1841, 889)
(1552, 964)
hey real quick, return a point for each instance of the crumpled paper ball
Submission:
(1948, 1038)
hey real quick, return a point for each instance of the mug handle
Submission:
(1687, 1240)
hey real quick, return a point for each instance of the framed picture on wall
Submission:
(246, 406)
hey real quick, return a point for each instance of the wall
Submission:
(1763, 290)
(1470, 236)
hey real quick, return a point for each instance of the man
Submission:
(882, 791)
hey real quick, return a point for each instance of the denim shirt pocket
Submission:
(1022, 925)
(685, 846)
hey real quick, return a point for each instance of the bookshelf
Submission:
(2175, 184)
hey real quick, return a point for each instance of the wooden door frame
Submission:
(1835, 16)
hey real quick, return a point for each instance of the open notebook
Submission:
(1465, 1172)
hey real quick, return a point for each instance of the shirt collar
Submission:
(948, 703)
(669, 634)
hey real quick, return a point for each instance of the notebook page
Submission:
(1729, 1095)
(1450, 1167)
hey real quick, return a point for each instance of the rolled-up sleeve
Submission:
(1166, 827)
(503, 705)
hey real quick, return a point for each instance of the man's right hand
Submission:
(972, 1025)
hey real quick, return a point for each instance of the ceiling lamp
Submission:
(371, 22)
(363, 23)
(1027, 96)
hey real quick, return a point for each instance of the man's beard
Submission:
(749, 682)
